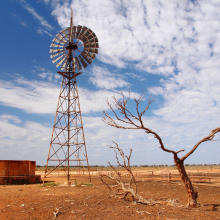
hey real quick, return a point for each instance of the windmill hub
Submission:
(72, 46)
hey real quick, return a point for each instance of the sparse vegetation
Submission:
(51, 184)
(84, 184)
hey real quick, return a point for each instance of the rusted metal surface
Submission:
(72, 49)
(18, 171)
(17, 167)
(20, 179)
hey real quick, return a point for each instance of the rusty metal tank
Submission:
(18, 171)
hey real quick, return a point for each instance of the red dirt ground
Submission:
(93, 202)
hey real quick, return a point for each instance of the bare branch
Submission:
(121, 105)
(208, 138)
(180, 151)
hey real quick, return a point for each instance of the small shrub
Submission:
(52, 184)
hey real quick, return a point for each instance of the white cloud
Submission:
(190, 98)
(27, 142)
(41, 97)
(46, 74)
(102, 78)
(6, 118)
(46, 1)
(23, 22)
(30, 96)
(135, 76)
(42, 75)
(151, 35)
(41, 31)
(45, 26)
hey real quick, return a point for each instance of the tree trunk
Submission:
(192, 195)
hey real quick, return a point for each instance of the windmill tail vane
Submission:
(71, 24)
(72, 49)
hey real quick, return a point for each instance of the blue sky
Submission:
(169, 49)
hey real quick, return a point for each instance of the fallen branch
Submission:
(56, 212)
(123, 189)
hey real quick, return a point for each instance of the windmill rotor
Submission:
(74, 47)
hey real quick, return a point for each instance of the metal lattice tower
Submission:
(72, 49)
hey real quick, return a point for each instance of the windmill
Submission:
(72, 50)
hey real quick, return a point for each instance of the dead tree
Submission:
(122, 189)
(127, 120)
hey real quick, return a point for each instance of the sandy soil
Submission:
(93, 202)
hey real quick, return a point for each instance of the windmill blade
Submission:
(59, 64)
(63, 59)
(56, 45)
(82, 32)
(93, 40)
(88, 32)
(83, 62)
(88, 59)
(62, 31)
(53, 55)
(95, 45)
(79, 67)
(56, 54)
(64, 64)
(88, 36)
(60, 39)
(78, 29)
(56, 50)
(64, 40)
(92, 50)
(59, 36)
(91, 36)
(58, 58)
(64, 34)
(83, 39)
(92, 55)
(57, 41)
(84, 36)
(91, 45)
(67, 30)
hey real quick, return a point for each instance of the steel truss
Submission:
(68, 146)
